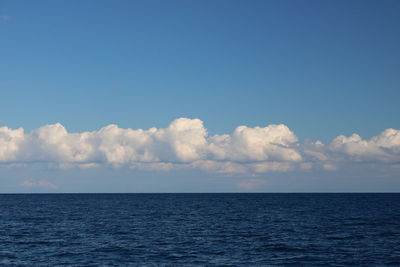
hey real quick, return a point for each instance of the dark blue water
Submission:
(200, 229)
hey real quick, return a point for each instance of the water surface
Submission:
(200, 229)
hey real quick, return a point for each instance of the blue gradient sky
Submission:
(323, 68)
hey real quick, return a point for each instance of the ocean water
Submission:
(200, 229)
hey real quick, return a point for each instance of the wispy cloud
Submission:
(39, 184)
(251, 184)
(185, 144)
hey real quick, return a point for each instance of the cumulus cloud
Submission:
(381, 149)
(185, 144)
(10, 143)
(384, 147)
(274, 142)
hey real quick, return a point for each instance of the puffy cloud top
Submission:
(274, 142)
(185, 143)
(10, 142)
(385, 147)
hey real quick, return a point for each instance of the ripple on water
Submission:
(200, 229)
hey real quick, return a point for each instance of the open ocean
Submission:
(200, 229)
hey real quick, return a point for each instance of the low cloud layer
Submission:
(185, 144)
(39, 184)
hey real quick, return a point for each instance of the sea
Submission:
(200, 229)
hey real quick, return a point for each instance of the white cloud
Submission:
(274, 142)
(39, 184)
(329, 167)
(384, 147)
(272, 166)
(10, 142)
(185, 144)
(157, 166)
(54, 144)
(219, 166)
(250, 185)
(185, 138)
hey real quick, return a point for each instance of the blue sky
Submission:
(323, 68)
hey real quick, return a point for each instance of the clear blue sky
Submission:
(323, 68)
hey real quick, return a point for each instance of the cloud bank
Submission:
(185, 144)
